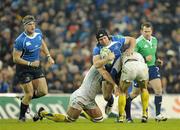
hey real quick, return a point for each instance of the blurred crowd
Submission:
(69, 28)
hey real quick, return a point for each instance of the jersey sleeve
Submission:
(121, 39)
(96, 51)
(38, 31)
(18, 45)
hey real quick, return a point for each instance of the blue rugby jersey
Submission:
(30, 46)
(115, 46)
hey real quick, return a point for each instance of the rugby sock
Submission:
(145, 101)
(85, 115)
(121, 104)
(128, 108)
(110, 101)
(54, 117)
(23, 109)
(157, 101)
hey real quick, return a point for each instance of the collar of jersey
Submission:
(34, 35)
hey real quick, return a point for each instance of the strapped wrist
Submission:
(29, 63)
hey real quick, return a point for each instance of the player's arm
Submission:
(18, 60)
(100, 62)
(45, 50)
(106, 76)
(132, 44)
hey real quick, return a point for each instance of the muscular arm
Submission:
(132, 43)
(44, 49)
(18, 60)
(106, 75)
(17, 57)
(99, 64)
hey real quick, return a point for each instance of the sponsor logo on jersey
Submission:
(145, 46)
(28, 43)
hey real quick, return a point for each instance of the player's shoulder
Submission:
(154, 38)
(140, 38)
(117, 37)
(37, 30)
(97, 48)
(20, 38)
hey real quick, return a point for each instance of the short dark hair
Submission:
(146, 24)
(100, 33)
(27, 19)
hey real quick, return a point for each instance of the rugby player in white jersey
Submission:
(133, 68)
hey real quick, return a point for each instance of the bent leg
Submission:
(40, 87)
(95, 114)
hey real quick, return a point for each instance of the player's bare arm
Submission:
(18, 60)
(99, 62)
(106, 76)
(46, 52)
(132, 43)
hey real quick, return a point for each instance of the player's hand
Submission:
(159, 62)
(116, 90)
(35, 63)
(129, 51)
(50, 61)
(149, 58)
(110, 56)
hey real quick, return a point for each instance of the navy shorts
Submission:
(25, 74)
(153, 74)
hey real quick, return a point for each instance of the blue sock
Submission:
(128, 108)
(157, 102)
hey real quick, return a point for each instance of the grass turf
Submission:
(83, 124)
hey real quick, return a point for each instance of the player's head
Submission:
(102, 37)
(146, 30)
(29, 23)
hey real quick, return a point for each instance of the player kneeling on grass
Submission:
(82, 101)
(133, 68)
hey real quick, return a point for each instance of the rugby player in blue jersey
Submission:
(26, 56)
(115, 44)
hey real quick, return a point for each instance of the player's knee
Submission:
(43, 93)
(158, 92)
(28, 96)
(98, 119)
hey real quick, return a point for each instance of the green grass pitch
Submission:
(83, 124)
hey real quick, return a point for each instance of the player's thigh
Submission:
(156, 85)
(94, 112)
(107, 89)
(124, 85)
(73, 113)
(27, 89)
(142, 84)
(40, 85)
